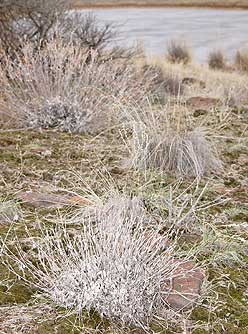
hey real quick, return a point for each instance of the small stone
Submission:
(116, 170)
(203, 103)
(185, 286)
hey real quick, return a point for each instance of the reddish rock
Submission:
(203, 103)
(44, 200)
(184, 289)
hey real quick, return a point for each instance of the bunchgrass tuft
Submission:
(241, 60)
(178, 52)
(157, 144)
(217, 60)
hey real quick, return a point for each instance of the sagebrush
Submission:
(57, 87)
(116, 266)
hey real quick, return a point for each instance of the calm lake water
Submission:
(203, 29)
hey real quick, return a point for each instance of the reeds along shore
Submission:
(242, 4)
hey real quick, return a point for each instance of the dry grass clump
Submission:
(241, 60)
(173, 85)
(217, 60)
(57, 87)
(178, 52)
(162, 83)
(115, 266)
(157, 144)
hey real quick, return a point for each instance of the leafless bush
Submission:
(216, 60)
(38, 21)
(56, 87)
(92, 35)
(241, 60)
(115, 266)
(28, 20)
(87, 32)
(156, 145)
(178, 52)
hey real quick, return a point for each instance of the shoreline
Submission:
(123, 4)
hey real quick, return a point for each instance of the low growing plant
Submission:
(158, 144)
(116, 265)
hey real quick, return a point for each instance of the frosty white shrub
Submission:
(115, 266)
(56, 86)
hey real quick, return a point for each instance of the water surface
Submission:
(203, 29)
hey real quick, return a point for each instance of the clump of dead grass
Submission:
(241, 60)
(217, 60)
(163, 84)
(157, 143)
(178, 52)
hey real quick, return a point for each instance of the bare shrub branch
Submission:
(92, 35)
